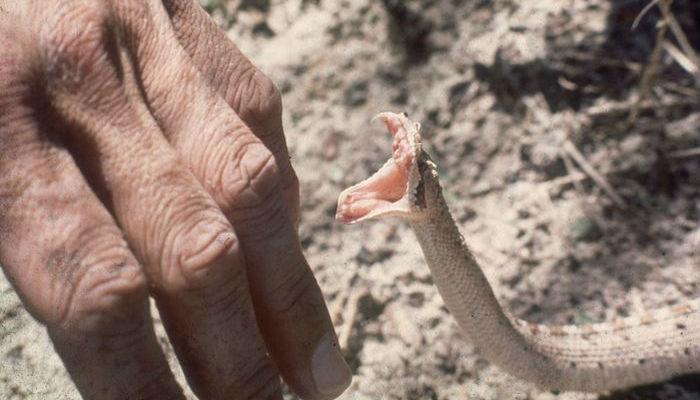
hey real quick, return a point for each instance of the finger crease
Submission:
(151, 387)
(262, 379)
(264, 223)
(295, 290)
(233, 302)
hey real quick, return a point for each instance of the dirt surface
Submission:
(509, 94)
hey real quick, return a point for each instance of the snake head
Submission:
(396, 189)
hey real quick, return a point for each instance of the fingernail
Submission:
(331, 374)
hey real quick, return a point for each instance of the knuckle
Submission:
(104, 293)
(259, 101)
(259, 168)
(201, 251)
(266, 98)
(252, 195)
(96, 281)
(250, 176)
(186, 238)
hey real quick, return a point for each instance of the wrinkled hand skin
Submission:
(141, 154)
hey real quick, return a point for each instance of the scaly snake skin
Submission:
(636, 350)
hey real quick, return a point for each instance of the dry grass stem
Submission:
(688, 153)
(681, 58)
(349, 317)
(644, 12)
(572, 170)
(593, 174)
(665, 7)
(574, 178)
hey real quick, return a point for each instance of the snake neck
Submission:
(595, 357)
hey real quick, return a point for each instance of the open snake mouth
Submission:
(392, 189)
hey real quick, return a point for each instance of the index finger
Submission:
(247, 90)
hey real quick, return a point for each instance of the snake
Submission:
(644, 348)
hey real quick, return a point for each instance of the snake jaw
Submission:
(394, 189)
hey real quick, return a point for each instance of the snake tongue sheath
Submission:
(632, 351)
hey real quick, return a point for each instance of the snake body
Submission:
(646, 348)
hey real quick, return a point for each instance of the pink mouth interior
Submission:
(385, 191)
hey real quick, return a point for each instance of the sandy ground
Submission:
(500, 87)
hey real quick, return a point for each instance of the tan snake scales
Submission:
(640, 349)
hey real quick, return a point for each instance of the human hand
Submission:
(141, 153)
